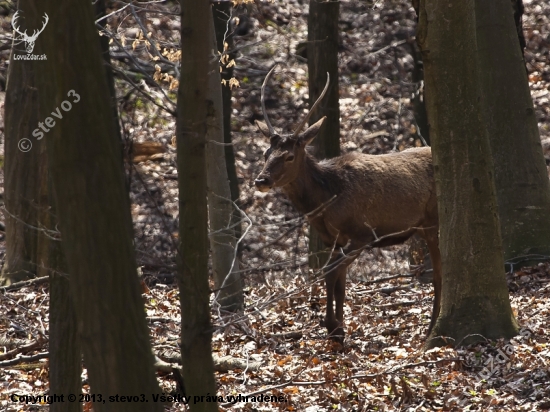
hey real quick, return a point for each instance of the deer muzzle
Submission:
(263, 184)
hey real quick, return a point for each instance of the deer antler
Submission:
(301, 126)
(37, 32)
(15, 28)
(267, 122)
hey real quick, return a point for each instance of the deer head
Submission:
(23, 36)
(286, 153)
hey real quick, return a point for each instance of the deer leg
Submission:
(336, 293)
(340, 298)
(432, 240)
(331, 279)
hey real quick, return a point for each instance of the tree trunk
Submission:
(521, 178)
(193, 94)
(65, 351)
(322, 57)
(24, 165)
(34, 250)
(93, 207)
(474, 294)
(419, 96)
(220, 206)
(224, 38)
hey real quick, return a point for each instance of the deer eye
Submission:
(289, 158)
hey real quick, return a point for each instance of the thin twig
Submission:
(24, 359)
(20, 349)
(23, 283)
(384, 279)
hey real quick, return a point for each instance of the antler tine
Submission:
(16, 28)
(46, 20)
(37, 32)
(301, 126)
(267, 122)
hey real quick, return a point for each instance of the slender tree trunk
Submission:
(419, 97)
(193, 95)
(93, 206)
(474, 295)
(521, 178)
(322, 57)
(100, 11)
(418, 250)
(225, 262)
(224, 38)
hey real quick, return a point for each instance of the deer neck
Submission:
(312, 187)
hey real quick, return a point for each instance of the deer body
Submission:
(354, 201)
(372, 191)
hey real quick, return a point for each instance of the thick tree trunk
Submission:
(474, 295)
(196, 330)
(322, 57)
(225, 262)
(33, 250)
(64, 344)
(93, 206)
(521, 179)
(65, 358)
(37, 248)
(24, 208)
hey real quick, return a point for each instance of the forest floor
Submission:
(382, 365)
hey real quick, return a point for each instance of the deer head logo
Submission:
(23, 36)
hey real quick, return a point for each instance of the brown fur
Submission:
(380, 201)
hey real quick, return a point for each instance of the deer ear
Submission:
(311, 132)
(263, 128)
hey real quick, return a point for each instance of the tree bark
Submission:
(33, 250)
(65, 350)
(36, 250)
(193, 94)
(419, 97)
(93, 207)
(521, 178)
(322, 57)
(474, 291)
(25, 207)
(225, 262)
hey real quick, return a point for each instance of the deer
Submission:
(354, 201)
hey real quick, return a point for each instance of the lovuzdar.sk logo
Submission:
(29, 40)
